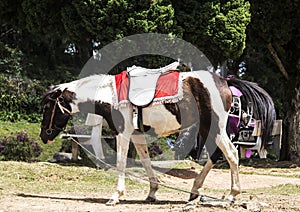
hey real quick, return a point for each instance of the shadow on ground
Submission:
(100, 200)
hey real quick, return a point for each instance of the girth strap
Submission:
(140, 123)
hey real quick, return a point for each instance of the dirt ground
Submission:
(169, 200)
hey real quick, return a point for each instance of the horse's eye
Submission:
(60, 99)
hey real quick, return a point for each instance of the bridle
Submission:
(57, 102)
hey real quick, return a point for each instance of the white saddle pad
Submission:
(143, 82)
(142, 89)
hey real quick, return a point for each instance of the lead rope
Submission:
(203, 198)
(126, 173)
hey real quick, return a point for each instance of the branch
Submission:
(4, 33)
(278, 61)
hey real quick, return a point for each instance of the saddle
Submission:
(143, 81)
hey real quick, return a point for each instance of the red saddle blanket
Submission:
(166, 87)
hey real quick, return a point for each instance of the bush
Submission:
(154, 150)
(18, 147)
(16, 116)
(20, 98)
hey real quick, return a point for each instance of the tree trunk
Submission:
(278, 61)
(294, 130)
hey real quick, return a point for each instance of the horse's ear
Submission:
(56, 94)
(69, 96)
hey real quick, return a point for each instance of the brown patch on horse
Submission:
(195, 106)
(224, 90)
(113, 117)
(69, 96)
(174, 109)
(202, 98)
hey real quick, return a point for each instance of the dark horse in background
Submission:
(206, 100)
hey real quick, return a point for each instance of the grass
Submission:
(286, 189)
(279, 172)
(33, 130)
(41, 177)
(47, 177)
(187, 164)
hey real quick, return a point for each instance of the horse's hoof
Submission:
(112, 202)
(193, 196)
(150, 199)
(231, 198)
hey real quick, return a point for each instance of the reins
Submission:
(62, 109)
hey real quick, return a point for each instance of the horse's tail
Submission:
(263, 106)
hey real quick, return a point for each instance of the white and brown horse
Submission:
(206, 100)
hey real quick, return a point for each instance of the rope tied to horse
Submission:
(107, 166)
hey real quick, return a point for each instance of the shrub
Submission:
(16, 116)
(154, 150)
(20, 98)
(19, 147)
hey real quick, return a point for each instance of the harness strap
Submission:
(140, 123)
(62, 109)
(52, 115)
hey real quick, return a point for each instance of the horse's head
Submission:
(56, 113)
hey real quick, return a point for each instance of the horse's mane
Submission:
(48, 94)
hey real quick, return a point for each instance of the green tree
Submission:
(110, 20)
(218, 28)
(58, 37)
(42, 51)
(273, 59)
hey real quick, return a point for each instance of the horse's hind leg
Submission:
(199, 180)
(215, 153)
(142, 150)
(231, 154)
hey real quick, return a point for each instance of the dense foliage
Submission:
(272, 58)
(216, 27)
(19, 147)
(57, 38)
(49, 42)
(20, 98)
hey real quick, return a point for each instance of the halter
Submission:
(63, 109)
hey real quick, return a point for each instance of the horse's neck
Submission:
(96, 88)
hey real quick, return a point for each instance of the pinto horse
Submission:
(206, 100)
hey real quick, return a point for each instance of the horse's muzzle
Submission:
(50, 141)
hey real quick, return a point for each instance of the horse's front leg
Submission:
(140, 144)
(123, 140)
(122, 149)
